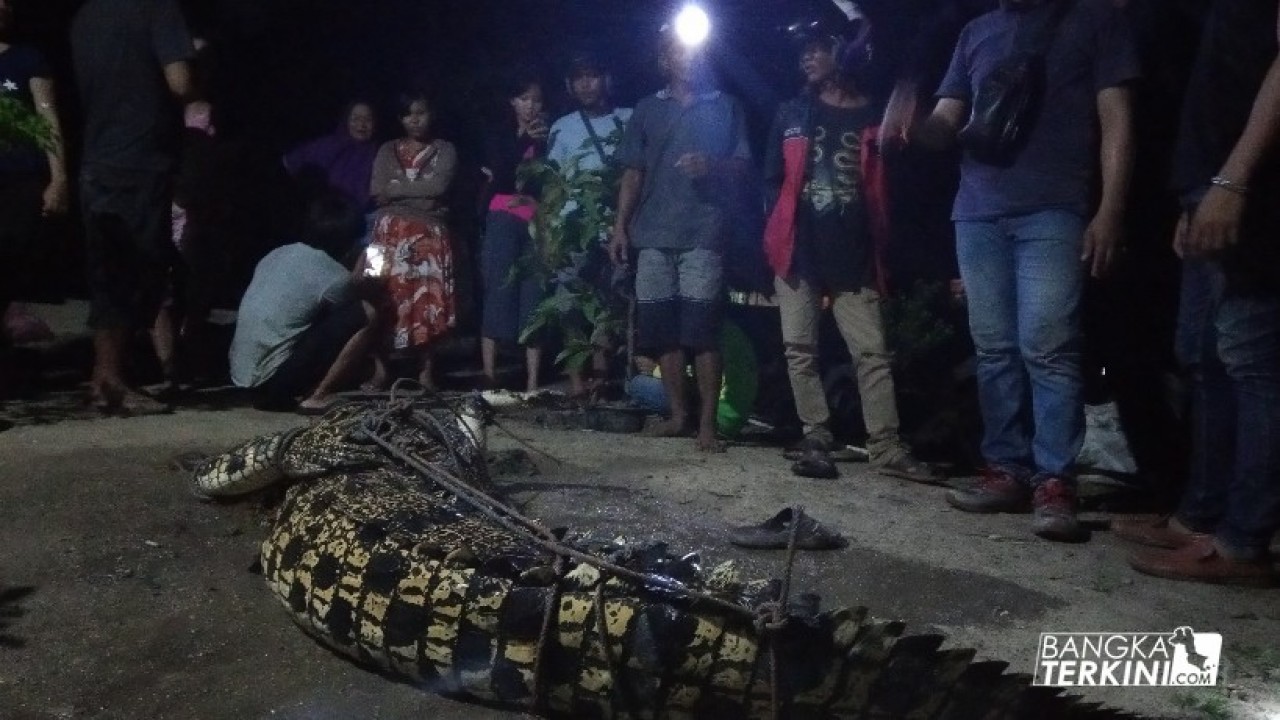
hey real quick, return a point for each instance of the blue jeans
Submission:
(648, 392)
(1231, 348)
(1024, 280)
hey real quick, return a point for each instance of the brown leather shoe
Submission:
(1200, 560)
(1160, 531)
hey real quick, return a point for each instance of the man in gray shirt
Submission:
(305, 324)
(682, 150)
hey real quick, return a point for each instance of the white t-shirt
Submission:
(570, 139)
(289, 287)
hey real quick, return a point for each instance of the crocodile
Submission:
(392, 547)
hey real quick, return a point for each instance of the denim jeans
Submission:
(1024, 280)
(648, 392)
(1230, 346)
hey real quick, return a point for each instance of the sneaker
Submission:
(1054, 511)
(905, 466)
(996, 492)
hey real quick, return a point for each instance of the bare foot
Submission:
(426, 381)
(106, 396)
(316, 404)
(667, 429)
(111, 399)
(709, 443)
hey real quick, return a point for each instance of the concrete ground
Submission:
(121, 596)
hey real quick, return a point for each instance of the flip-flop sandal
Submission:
(775, 533)
(135, 404)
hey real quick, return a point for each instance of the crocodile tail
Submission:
(246, 468)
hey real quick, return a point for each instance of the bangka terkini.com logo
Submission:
(1180, 658)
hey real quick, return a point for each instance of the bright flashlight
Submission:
(692, 26)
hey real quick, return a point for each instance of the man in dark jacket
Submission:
(826, 236)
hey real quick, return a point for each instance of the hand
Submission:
(54, 200)
(1216, 223)
(694, 165)
(618, 245)
(1101, 239)
(1180, 236)
(899, 114)
(537, 128)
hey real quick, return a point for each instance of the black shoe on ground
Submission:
(815, 460)
(998, 491)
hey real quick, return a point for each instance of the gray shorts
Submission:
(679, 299)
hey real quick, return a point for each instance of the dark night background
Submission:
(280, 71)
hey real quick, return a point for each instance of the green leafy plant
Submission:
(913, 324)
(575, 213)
(20, 125)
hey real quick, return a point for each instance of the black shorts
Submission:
(315, 352)
(129, 247)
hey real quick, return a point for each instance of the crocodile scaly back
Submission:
(389, 566)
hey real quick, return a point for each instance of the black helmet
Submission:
(843, 28)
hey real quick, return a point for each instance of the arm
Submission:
(628, 197)
(55, 195)
(1115, 117)
(937, 131)
(430, 184)
(385, 169)
(1216, 223)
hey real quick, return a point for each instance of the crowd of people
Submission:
(1038, 94)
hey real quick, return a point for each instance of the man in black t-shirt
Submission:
(1227, 173)
(33, 182)
(130, 59)
(825, 237)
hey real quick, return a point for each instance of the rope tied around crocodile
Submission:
(769, 617)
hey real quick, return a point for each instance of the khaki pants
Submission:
(861, 326)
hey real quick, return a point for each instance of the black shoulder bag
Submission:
(1007, 103)
(605, 158)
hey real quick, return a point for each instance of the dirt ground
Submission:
(122, 596)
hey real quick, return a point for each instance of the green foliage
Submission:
(1208, 703)
(20, 125)
(575, 213)
(914, 324)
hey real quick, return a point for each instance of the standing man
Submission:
(586, 139)
(1024, 239)
(131, 61)
(826, 235)
(584, 142)
(683, 149)
(1229, 316)
(33, 182)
